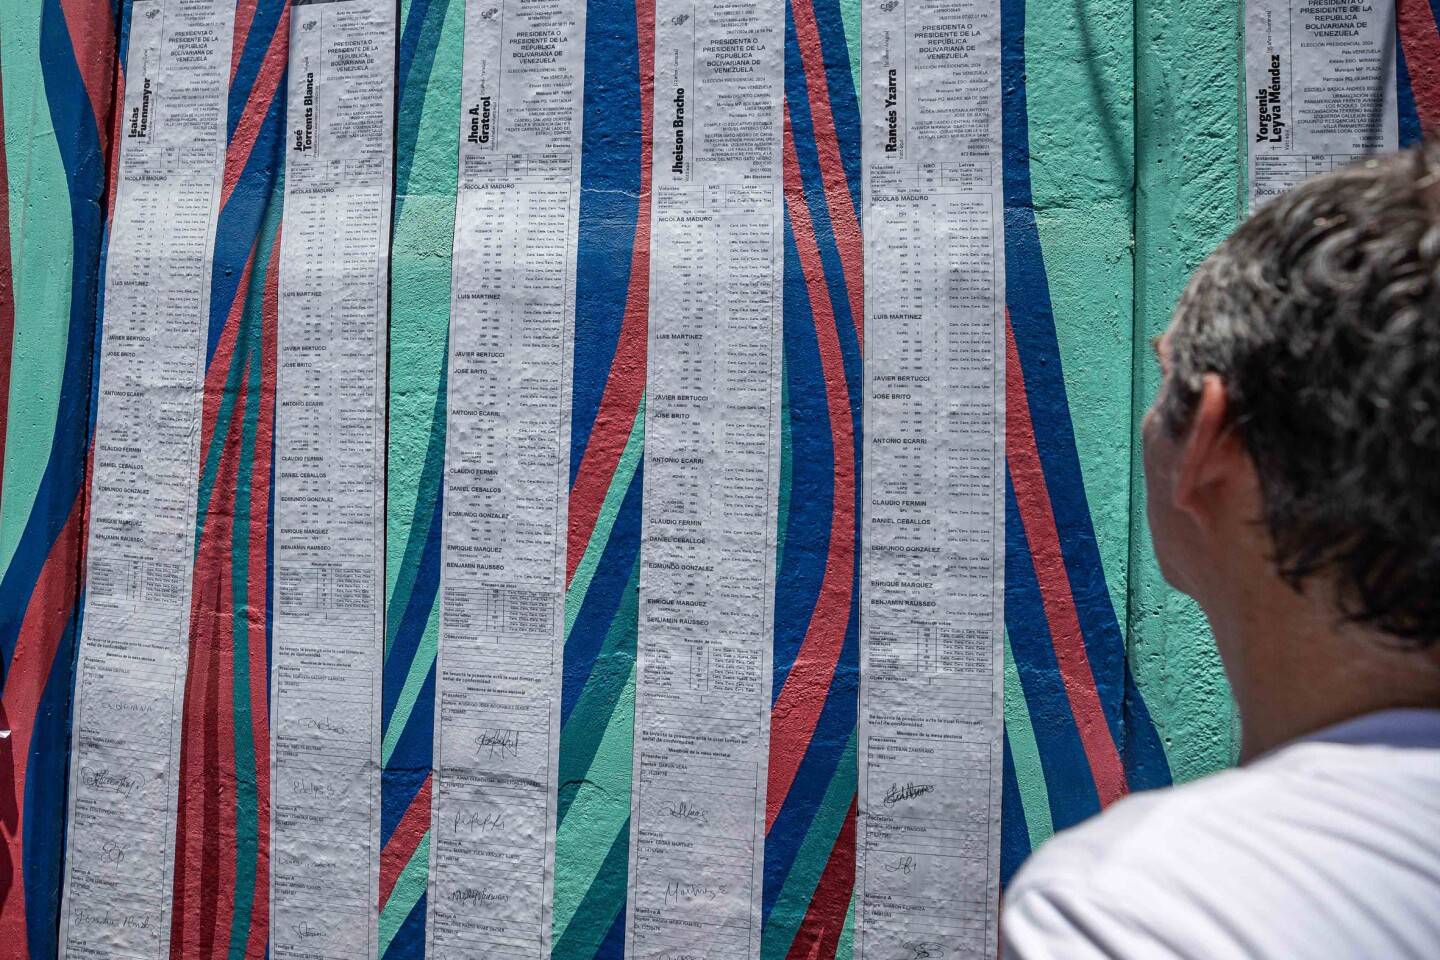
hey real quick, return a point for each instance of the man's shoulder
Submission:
(1308, 788)
(1317, 826)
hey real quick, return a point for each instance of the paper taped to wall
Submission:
(507, 457)
(1320, 88)
(130, 680)
(712, 458)
(328, 568)
(932, 574)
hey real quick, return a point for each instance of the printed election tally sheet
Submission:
(1319, 88)
(130, 681)
(707, 565)
(507, 458)
(328, 636)
(932, 577)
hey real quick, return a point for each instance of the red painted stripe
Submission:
(626, 384)
(404, 841)
(112, 164)
(259, 555)
(819, 932)
(240, 33)
(838, 199)
(41, 631)
(7, 296)
(262, 94)
(1421, 41)
(206, 876)
(219, 369)
(797, 708)
(92, 36)
(1038, 519)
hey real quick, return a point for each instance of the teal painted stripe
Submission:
(1025, 752)
(601, 904)
(409, 887)
(418, 530)
(41, 249)
(850, 16)
(605, 522)
(599, 809)
(810, 860)
(424, 659)
(247, 800)
(845, 948)
(592, 725)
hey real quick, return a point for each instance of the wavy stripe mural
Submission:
(221, 890)
(1079, 732)
(426, 157)
(57, 70)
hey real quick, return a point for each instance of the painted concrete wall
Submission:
(1123, 168)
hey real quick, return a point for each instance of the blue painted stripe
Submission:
(602, 601)
(812, 474)
(252, 57)
(1015, 841)
(1410, 131)
(817, 769)
(609, 206)
(1033, 323)
(1062, 756)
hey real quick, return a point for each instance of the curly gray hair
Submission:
(1321, 314)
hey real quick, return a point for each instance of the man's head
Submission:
(1296, 436)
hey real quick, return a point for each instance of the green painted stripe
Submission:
(420, 262)
(850, 17)
(600, 810)
(247, 799)
(409, 888)
(1025, 752)
(215, 452)
(41, 249)
(845, 949)
(810, 860)
(605, 522)
(419, 524)
(603, 899)
(593, 720)
(420, 666)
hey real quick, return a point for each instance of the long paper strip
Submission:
(329, 481)
(130, 682)
(932, 582)
(1319, 88)
(712, 446)
(507, 449)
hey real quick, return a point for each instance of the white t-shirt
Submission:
(1325, 849)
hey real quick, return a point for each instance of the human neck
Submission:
(1296, 668)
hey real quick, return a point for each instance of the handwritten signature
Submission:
(103, 779)
(315, 788)
(304, 931)
(921, 949)
(499, 743)
(910, 791)
(480, 821)
(325, 725)
(682, 810)
(905, 864)
(113, 918)
(677, 890)
(468, 896)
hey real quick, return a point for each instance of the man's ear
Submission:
(1212, 458)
